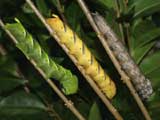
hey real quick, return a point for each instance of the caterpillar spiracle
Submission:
(33, 51)
(84, 57)
(141, 83)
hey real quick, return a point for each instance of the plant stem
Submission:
(124, 76)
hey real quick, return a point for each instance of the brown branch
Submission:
(67, 102)
(124, 77)
(89, 79)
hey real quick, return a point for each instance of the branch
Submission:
(124, 76)
(88, 78)
(67, 102)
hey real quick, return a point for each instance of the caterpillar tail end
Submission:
(110, 91)
(146, 91)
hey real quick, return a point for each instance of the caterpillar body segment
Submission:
(33, 51)
(84, 57)
(141, 83)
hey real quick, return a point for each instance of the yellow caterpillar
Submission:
(84, 57)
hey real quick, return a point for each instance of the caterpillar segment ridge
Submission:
(84, 57)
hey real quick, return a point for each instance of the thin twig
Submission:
(89, 79)
(124, 77)
(50, 109)
(119, 24)
(68, 103)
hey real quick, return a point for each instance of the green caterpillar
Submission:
(32, 50)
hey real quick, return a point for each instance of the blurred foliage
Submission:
(140, 30)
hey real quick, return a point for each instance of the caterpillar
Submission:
(141, 83)
(32, 50)
(83, 55)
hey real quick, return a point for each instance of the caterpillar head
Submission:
(55, 23)
(70, 86)
(16, 29)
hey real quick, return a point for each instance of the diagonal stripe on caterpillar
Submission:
(84, 57)
(142, 84)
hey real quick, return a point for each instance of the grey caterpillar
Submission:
(141, 83)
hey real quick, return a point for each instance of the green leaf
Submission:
(21, 103)
(107, 3)
(94, 113)
(150, 63)
(74, 17)
(139, 30)
(148, 37)
(8, 65)
(43, 8)
(140, 52)
(54, 2)
(9, 81)
(58, 60)
(154, 76)
(154, 105)
(27, 9)
(143, 34)
(146, 7)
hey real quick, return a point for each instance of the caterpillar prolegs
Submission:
(33, 51)
(142, 84)
(84, 57)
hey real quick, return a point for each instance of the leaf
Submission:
(148, 37)
(154, 76)
(58, 60)
(73, 17)
(150, 63)
(21, 103)
(27, 9)
(154, 105)
(8, 65)
(143, 34)
(156, 18)
(146, 7)
(43, 8)
(140, 52)
(107, 3)
(139, 29)
(54, 2)
(94, 113)
(9, 81)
